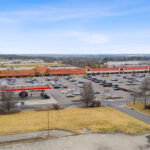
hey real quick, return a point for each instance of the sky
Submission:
(74, 26)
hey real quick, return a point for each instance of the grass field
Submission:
(72, 119)
(31, 65)
(139, 106)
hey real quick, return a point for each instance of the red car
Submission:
(64, 86)
(106, 85)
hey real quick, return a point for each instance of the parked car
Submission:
(80, 81)
(67, 78)
(48, 79)
(128, 77)
(56, 87)
(116, 89)
(115, 85)
(85, 77)
(65, 86)
(138, 80)
(106, 85)
(70, 95)
(4, 83)
(114, 79)
(80, 85)
(118, 75)
(101, 84)
(97, 81)
(124, 76)
(76, 92)
(89, 78)
(127, 83)
(46, 96)
(72, 80)
(140, 75)
(64, 91)
(96, 92)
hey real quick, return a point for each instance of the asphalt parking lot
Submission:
(106, 95)
(118, 97)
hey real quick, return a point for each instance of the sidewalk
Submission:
(30, 135)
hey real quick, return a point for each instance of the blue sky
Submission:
(74, 26)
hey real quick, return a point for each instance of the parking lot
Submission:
(66, 90)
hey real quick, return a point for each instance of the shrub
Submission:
(147, 106)
(56, 106)
(4, 112)
(96, 104)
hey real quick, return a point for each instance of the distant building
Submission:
(126, 63)
(20, 61)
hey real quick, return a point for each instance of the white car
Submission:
(58, 82)
(64, 91)
(138, 80)
(80, 85)
(76, 82)
(76, 92)
(5, 82)
(72, 89)
(114, 79)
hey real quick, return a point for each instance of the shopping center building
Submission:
(46, 71)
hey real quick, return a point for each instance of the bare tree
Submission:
(133, 80)
(87, 93)
(133, 90)
(134, 95)
(145, 89)
(7, 100)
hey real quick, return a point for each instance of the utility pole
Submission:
(48, 121)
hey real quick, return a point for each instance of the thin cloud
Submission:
(6, 20)
(92, 38)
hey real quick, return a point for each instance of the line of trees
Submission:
(95, 61)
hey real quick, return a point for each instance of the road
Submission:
(133, 113)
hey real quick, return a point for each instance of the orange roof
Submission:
(41, 69)
(67, 71)
(10, 73)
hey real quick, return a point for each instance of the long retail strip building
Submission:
(47, 71)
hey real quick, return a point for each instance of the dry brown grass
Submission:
(101, 119)
(139, 106)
